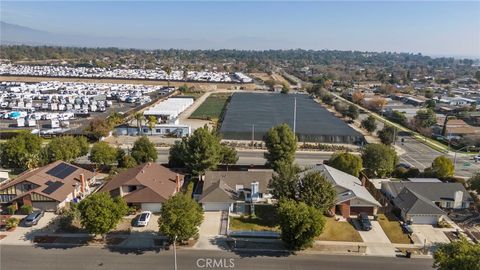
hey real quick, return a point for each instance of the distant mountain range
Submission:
(11, 34)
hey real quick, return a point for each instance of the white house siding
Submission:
(152, 207)
(424, 219)
(217, 206)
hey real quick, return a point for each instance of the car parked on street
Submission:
(144, 218)
(365, 223)
(33, 218)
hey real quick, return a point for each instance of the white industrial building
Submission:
(169, 109)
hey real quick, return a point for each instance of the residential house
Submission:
(48, 188)
(425, 202)
(456, 128)
(352, 195)
(234, 191)
(4, 176)
(146, 186)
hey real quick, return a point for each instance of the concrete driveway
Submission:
(210, 231)
(376, 240)
(428, 234)
(24, 235)
(152, 225)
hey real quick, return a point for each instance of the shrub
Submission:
(11, 223)
(26, 209)
(11, 209)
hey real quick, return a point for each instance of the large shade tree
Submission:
(144, 150)
(457, 255)
(379, 160)
(346, 162)
(21, 152)
(281, 145)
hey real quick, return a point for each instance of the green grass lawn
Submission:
(393, 230)
(263, 220)
(339, 231)
(211, 108)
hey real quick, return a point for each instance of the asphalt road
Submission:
(80, 258)
(249, 157)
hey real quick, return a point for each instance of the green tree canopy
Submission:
(474, 182)
(285, 183)
(21, 152)
(228, 155)
(124, 160)
(300, 224)
(369, 124)
(398, 117)
(457, 255)
(180, 217)
(98, 128)
(442, 167)
(144, 151)
(387, 134)
(317, 191)
(352, 112)
(66, 148)
(281, 145)
(346, 162)
(425, 118)
(103, 154)
(177, 153)
(100, 213)
(379, 160)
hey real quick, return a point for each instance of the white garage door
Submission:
(152, 207)
(424, 219)
(216, 206)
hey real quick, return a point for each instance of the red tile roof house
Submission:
(48, 188)
(146, 186)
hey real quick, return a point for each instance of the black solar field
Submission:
(263, 111)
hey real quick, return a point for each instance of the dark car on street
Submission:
(33, 218)
(364, 222)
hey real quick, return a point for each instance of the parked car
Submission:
(33, 218)
(144, 218)
(476, 158)
(364, 222)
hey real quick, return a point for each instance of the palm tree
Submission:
(168, 70)
(139, 118)
(151, 121)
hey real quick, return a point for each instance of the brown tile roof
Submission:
(156, 183)
(40, 177)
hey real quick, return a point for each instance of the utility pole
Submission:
(295, 116)
(253, 134)
(175, 251)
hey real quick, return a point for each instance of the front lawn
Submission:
(339, 231)
(393, 230)
(263, 220)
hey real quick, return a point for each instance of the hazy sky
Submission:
(433, 28)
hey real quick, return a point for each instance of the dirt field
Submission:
(275, 76)
(199, 85)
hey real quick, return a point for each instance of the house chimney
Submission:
(457, 199)
(364, 180)
(177, 181)
(82, 183)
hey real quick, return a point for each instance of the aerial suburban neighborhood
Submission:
(121, 153)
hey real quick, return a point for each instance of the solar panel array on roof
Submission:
(62, 170)
(52, 187)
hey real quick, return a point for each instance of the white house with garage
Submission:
(425, 202)
(234, 191)
(146, 186)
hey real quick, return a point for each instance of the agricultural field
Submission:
(211, 108)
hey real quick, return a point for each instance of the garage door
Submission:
(216, 206)
(152, 207)
(46, 206)
(424, 219)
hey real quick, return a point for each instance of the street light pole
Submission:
(175, 251)
(455, 156)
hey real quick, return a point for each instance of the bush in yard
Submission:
(11, 209)
(457, 255)
(26, 209)
(180, 218)
(300, 224)
(442, 167)
(100, 213)
(346, 162)
(11, 223)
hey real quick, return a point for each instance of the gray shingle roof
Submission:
(346, 181)
(415, 204)
(429, 190)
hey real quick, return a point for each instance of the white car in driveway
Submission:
(144, 218)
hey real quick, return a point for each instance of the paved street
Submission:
(25, 258)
